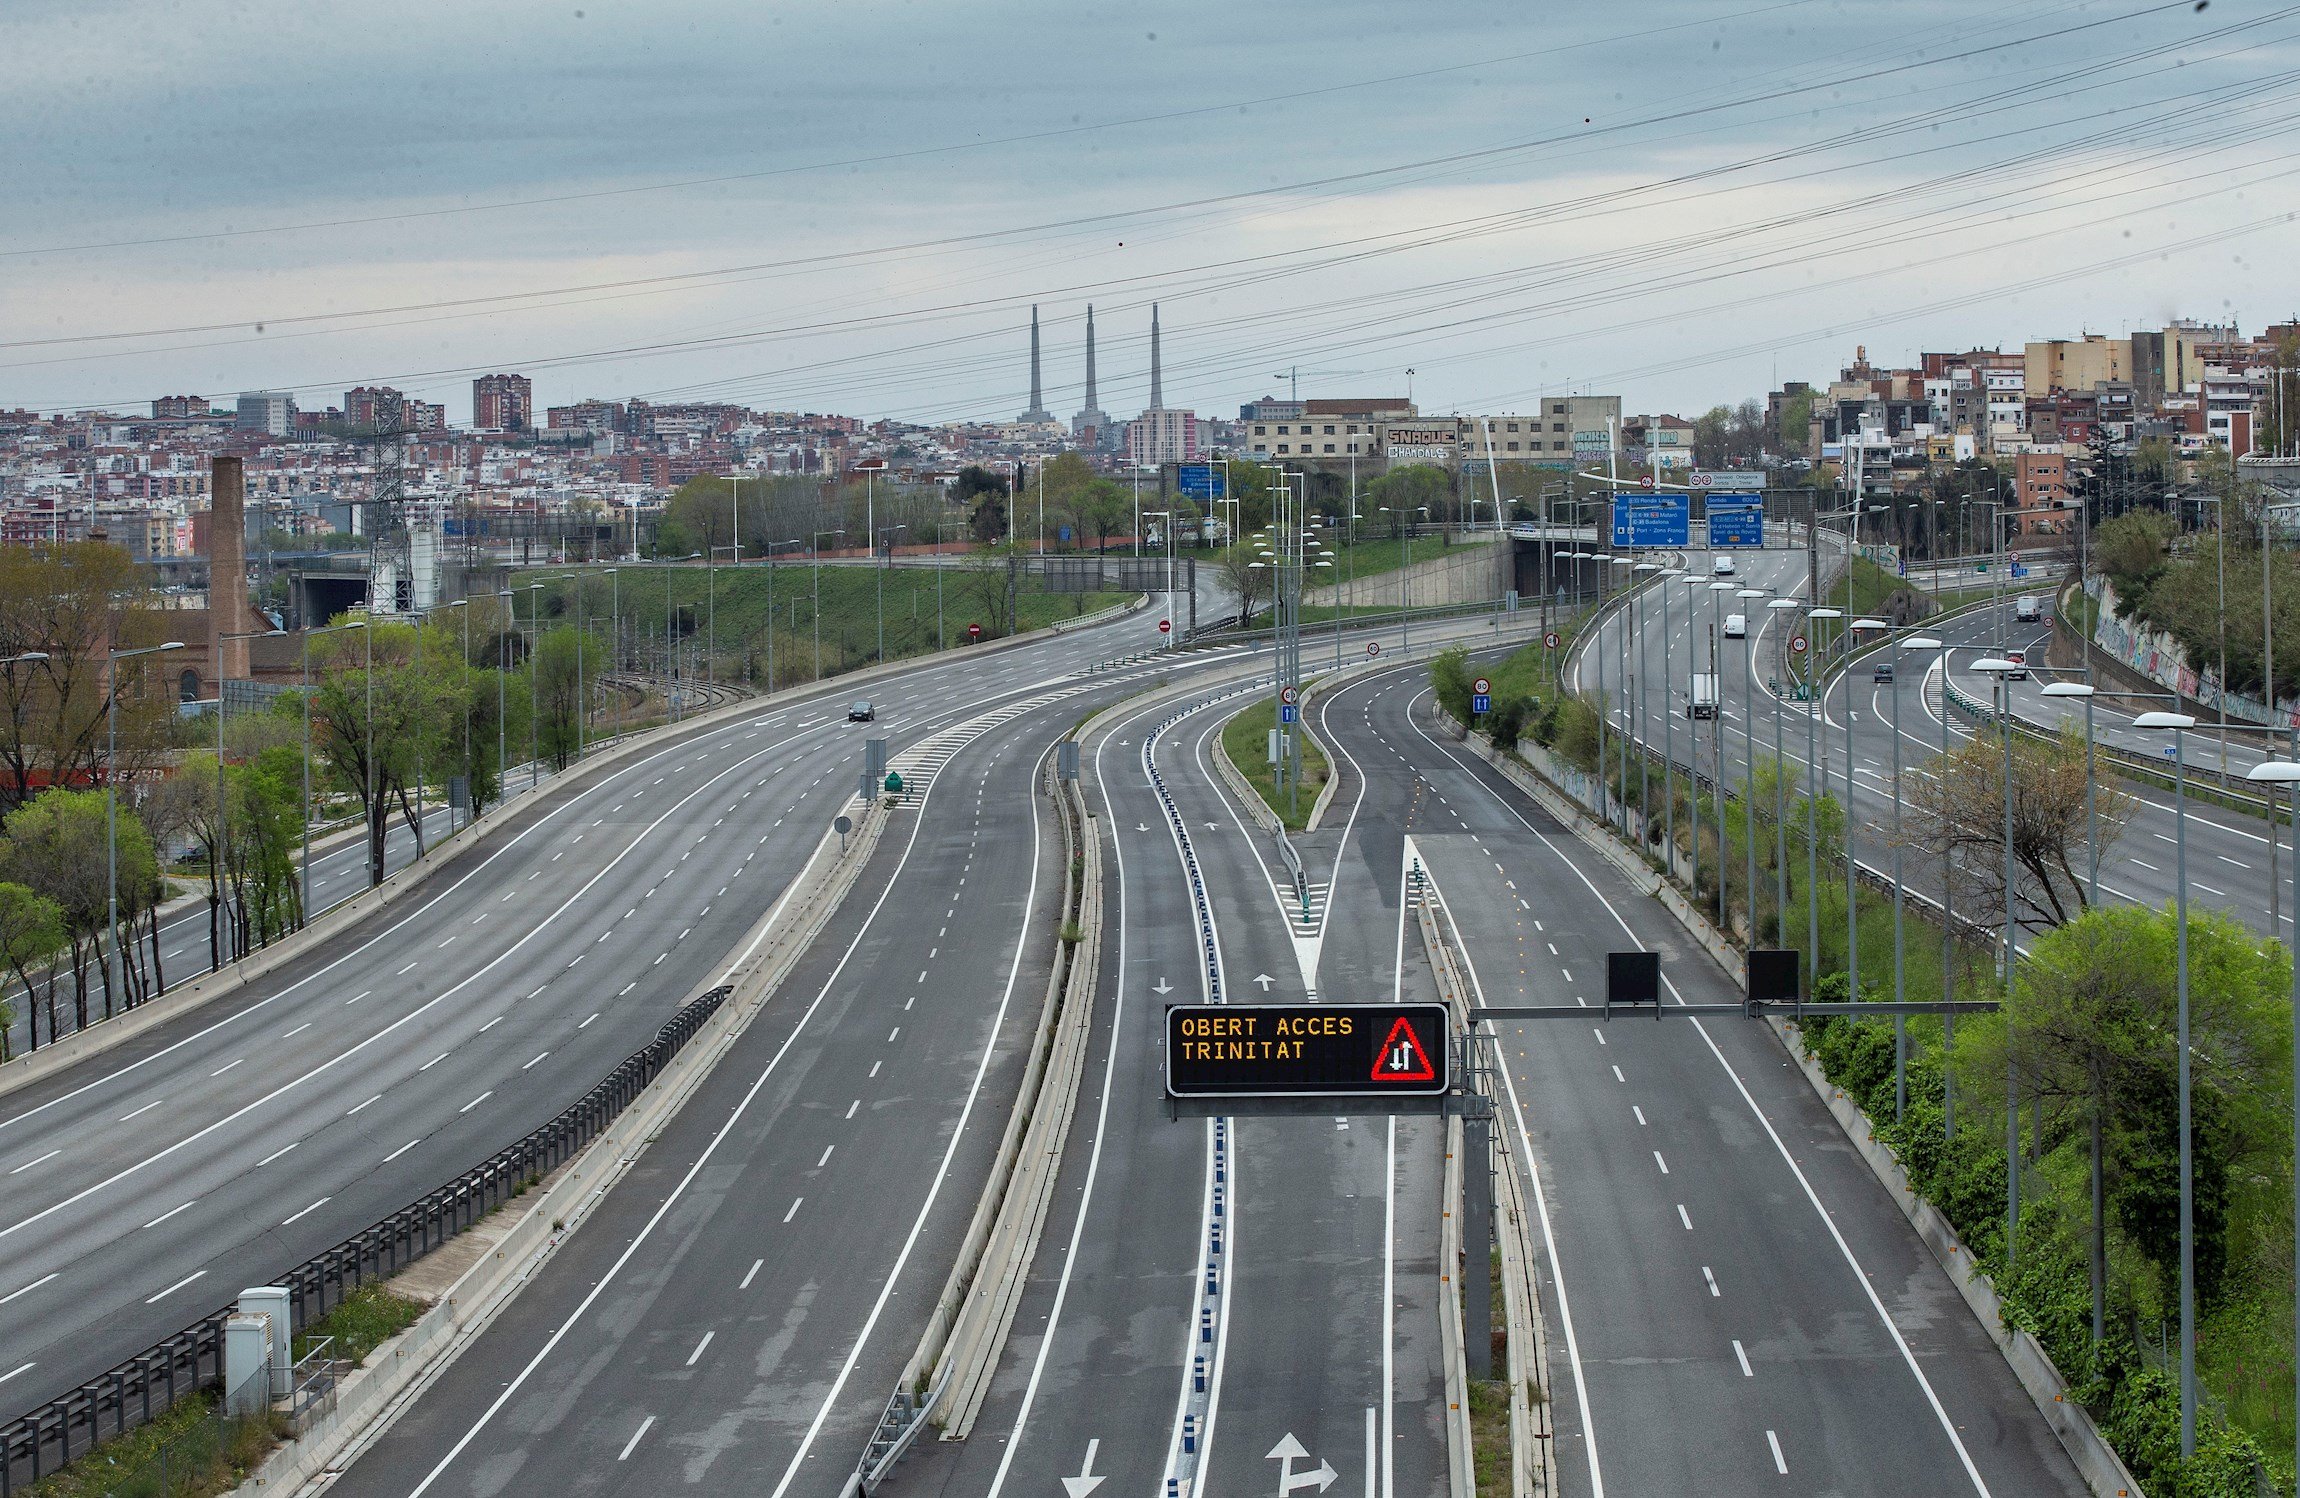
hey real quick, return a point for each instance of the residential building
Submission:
(268, 411)
(179, 407)
(502, 403)
(1160, 436)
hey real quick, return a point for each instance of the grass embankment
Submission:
(361, 1322)
(186, 1453)
(1872, 587)
(1246, 739)
(687, 600)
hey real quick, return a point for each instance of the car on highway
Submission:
(2018, 659)
(1882, 673)
(1736, 626)
(2028, 608)
(1721, 565)
(861, 712)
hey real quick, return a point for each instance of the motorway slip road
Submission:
(146, 1186)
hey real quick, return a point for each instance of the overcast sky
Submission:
(852, 207)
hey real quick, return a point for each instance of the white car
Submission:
(1736, 626)
(1721, 565)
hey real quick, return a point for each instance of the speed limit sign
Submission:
(1289, 695)
(1551, 640)
(1481, 687)
(1797, 644)
(1373, 648)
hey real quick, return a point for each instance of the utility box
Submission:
(247, 1364)
(274, 1303)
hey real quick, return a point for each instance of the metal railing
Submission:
(147, 1384)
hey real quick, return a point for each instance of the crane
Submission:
(1293, 377)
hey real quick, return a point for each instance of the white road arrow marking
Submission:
(1087, 1479)
(1163, 987)
(1265, 980)
(1141, 826)
(1285, 1454)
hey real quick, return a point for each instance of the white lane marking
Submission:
(434, 1061)
(1664, 1164)
(1683, 1217)
(491, 1024)
(851, 1107)
(532, 1063)
(28, 1164)
(696, 1355)
(28, 1289)
(403, 972)
(172, 1289)
(148, 1107)
(587, 1023)
(275, 1154)
(633, 1444)
(1780, 1462)
(826, 1159)
(475, 1102)
(403, 1149)
(1711, 1281)
(752, 1274)
(227, 1066)
(794, 1211)
(298, 1030)
(874, 1066)
(1640, 1112)
(306, 1212)
(376, 1099)
(20, 1368)
(1618, 1077)
(1743, 1359)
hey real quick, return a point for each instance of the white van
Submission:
(1721, 565)
(1736, 626)
(2028, 608)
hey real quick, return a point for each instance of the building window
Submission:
(1513, 427)
(1557, 409)
(1261, 431)
(1281, 446)
(1329, 446)
(1557, 426)
(1329, 432)
(1513, 447)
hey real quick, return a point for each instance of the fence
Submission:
(147, 1384)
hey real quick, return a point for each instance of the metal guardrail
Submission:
(146, 1385)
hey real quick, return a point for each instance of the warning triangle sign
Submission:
(1402, 1058)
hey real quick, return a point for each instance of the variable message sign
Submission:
(1307, 1050)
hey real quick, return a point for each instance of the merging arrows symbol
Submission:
(1087, 1479)
(1289, 1451)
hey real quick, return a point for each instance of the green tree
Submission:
(1417, 494)
(56, 846)
(31, 935)
(72, 603)
(563, 666)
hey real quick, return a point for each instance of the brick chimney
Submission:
(228, 610)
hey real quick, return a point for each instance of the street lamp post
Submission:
(112, 794)
(1781, 607)
(2001, 669)
(2271, 773)
(1816, 781)
(2091, 788)
(1717, 741)
(1852, 857)
(1900, 903)
(2179, 724)
(534, 693)
(502, 674)
(1749, 748)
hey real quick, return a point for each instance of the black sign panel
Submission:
(1307, 1050)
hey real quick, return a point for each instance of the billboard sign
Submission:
(1714, 479)
(1307, 1050)
(1202, 481)
(1736, 522)
(1652, 519)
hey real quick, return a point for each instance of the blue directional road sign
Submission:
(1652, 519)
(1481, 703)
(1288, 713)
(1201, 481)
(1736, 522)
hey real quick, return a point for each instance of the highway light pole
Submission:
(1717, 742)
(615, 636)
(534, 693)
(502, 673)
(111, 788)
(1748, 597)
(1900, 901)
(2179, 724)
(2272, 773)
(1644, 686)
(1852, 857)
(305, 872)
(1668, 734)
(815, 550)
(1816, 781)
(2000, 669)
(1781, 608)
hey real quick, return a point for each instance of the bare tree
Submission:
(1958, 806)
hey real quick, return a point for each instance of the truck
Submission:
(2028, 608)
(1701, 701)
